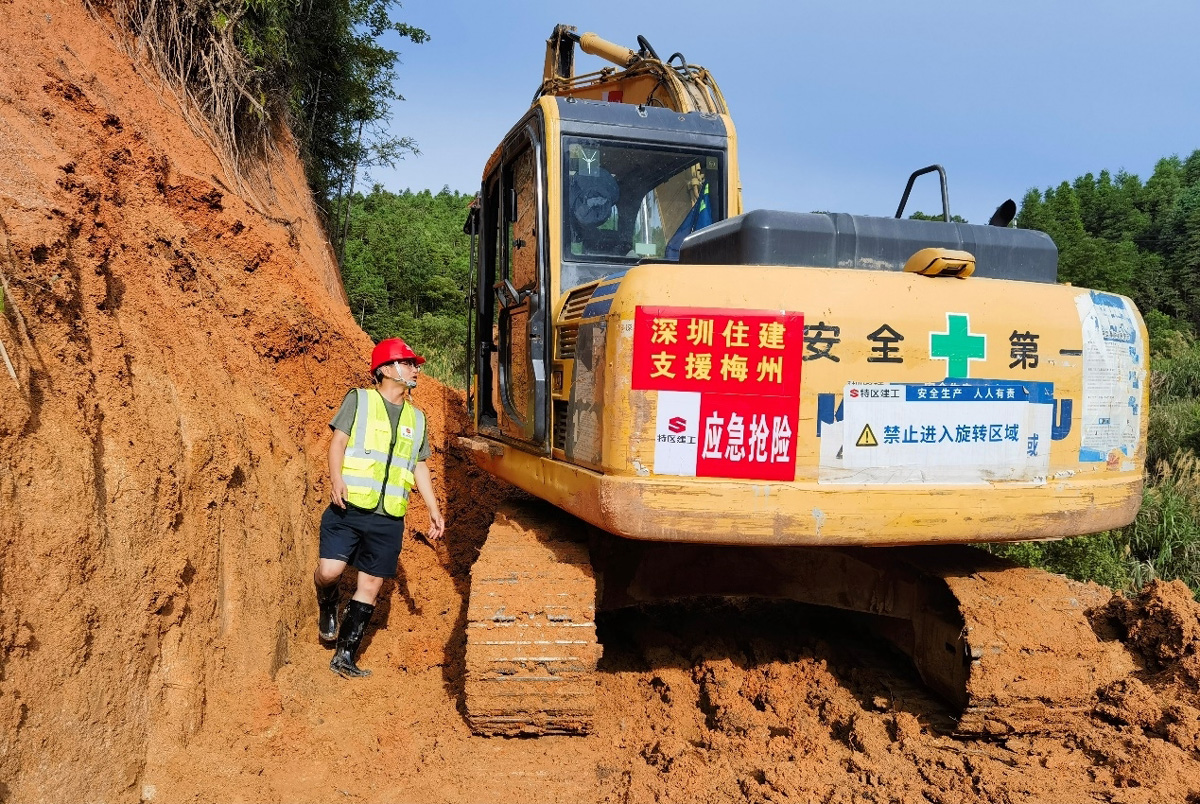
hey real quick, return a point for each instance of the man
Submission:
(377, 454)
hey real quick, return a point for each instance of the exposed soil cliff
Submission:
(178, 337)
(179, 341)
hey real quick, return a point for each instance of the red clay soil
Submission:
(180, 340)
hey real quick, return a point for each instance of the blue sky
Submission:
(835, 103)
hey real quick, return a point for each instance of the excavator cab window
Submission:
(626, 200)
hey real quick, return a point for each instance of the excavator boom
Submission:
(639, 77)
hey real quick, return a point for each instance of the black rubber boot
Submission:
(354, 625)
(327, 607)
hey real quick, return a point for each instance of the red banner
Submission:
(757, 352)
(751, 437)
(729, 389)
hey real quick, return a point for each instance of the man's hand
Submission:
(337, 453)
(437, 525)
(337, 491)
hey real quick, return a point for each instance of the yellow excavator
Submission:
(826, 408)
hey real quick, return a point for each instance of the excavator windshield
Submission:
(628, 201)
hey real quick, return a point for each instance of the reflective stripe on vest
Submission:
(368, 459)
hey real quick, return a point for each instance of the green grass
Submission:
(1164, 540)
(1100, 557)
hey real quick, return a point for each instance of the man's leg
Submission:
(368, 588)
(325, 578)
(329, 571)
(339, 542)
(354, 626)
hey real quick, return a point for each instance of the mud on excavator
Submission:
(827, 408)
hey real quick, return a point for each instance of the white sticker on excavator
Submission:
(676, 433)
(956, 432)
(1114, 371)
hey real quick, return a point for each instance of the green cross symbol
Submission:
(957, 346)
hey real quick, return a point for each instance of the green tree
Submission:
(1182, 232)
(341, 85)
(921, 216)
(406, 270)
(254, 67)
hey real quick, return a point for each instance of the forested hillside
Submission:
(1115, 232)
(405, 266)
(1141, 239)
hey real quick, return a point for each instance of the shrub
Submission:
(1174, 425)
(1100, 557)
(1163, 542)
(1175, 367)
(253, 66)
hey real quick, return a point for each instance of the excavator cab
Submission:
(577, 191)
(629, 201)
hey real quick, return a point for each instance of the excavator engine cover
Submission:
(838, 240)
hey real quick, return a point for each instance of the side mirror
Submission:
(471, 226)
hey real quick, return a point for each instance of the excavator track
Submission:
(531, 632)
(1012, 649)
(1034, 659)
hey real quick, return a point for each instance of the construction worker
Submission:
(376, 456)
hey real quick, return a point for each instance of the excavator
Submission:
(825, 408)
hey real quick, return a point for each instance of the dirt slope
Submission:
(179, 343)
(177, 349)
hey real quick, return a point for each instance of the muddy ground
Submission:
(179, 341)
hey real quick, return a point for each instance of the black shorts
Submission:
(368, 541)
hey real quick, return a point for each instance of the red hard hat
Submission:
(390, 349)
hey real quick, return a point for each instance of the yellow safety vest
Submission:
(372, 457)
